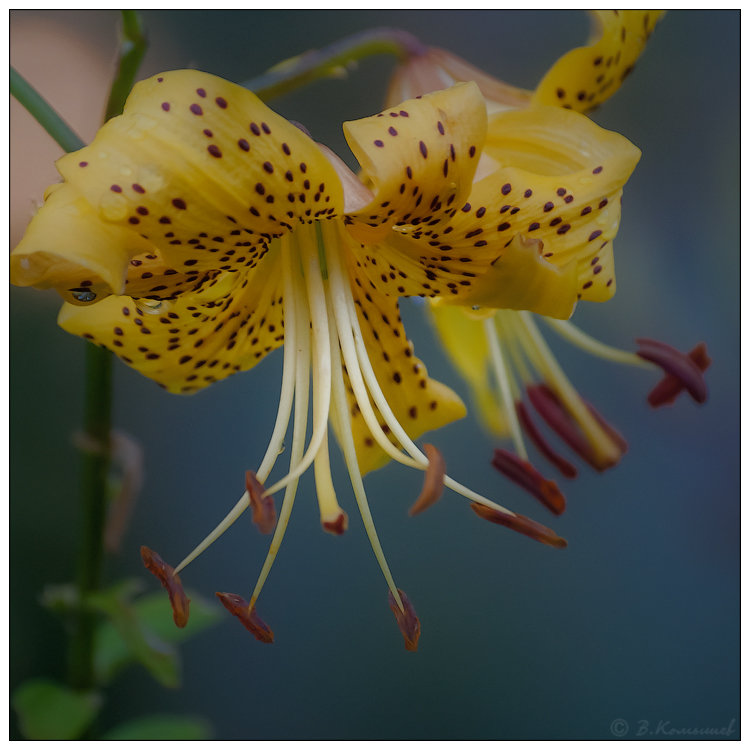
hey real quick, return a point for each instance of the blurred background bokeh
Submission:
(638, 619)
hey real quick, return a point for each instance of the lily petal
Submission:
(557, 179)
(466, 345)
(192, 341)
(564, 177)
(586, 76)
(205, 171)
(419, 159)
(68, 248)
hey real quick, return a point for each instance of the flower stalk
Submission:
(331, 61)
(97, 419)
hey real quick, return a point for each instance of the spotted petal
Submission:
(201, 169)
(554, 183)
(418, 402)
(419, 159)
(68, 248)
(586, 76)
(200, 337)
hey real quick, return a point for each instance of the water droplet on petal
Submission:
(153, 306)
(83, 295)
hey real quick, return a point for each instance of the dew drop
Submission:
(153, 306)
(83, 295)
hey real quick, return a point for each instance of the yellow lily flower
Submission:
(200, 231)
(501, 353)
(581, 79)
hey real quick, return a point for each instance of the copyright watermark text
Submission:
(665, 728)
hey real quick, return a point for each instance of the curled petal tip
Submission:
(520, 524)
(171, 582)
(433, 480)
(408, 622)
(681, 371)
(337, 525)
(264, 510)
(525, 475)
(246, 614)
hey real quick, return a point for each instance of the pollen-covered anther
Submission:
(246, 614)
(264, 510)
(556, 415)
(525, 475)
(433, 485)
(408, 622)
(521, 524)
(171, 582)
(681, 371)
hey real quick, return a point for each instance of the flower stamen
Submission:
(433, 484)
(685, 369)
(171, 582)
(407, 620)
(525, 475)
(566, 468)
(246, 614)
(264, 512)
(521, 524)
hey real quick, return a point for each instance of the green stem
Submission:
(133, 45)
(98, 415)
(43, 113)
(332, 60)
(94, 473)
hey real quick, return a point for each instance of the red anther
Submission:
(408, 622)
(521, 524)
(525, 475)
(677, 367)
(554, 413)
(171, 582)
(240, 608)
(338, 526)
(434, 475)
(264, 511)
(566, 468)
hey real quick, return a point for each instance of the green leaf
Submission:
(161, 727)
(146, 635)
(124, 638)
(50, 711)
(155, 612)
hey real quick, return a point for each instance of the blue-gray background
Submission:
(638, 619)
